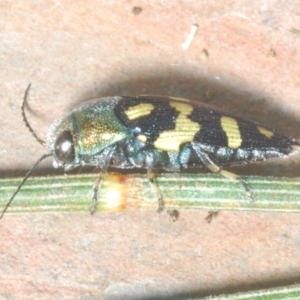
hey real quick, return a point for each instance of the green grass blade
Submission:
(130, 192)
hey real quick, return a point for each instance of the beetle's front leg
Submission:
(98, 183)
(96, 188)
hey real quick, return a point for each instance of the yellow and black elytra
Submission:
(157, 132)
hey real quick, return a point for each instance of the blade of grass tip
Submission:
(283, 293)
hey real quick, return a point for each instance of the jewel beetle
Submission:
(152, 132)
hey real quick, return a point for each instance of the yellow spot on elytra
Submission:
(231, 128)
(184, 132)
(139, 110)
(142, 138)
(268, 133)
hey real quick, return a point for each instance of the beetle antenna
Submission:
(25, 118)
(23, 181)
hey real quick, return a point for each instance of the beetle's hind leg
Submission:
(215, 169)
(233, 176)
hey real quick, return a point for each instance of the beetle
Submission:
(153, 132)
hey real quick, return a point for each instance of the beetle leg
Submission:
(215, 169)
(154, 187)
(98, 183)
(96, 189)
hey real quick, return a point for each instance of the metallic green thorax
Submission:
(93, 126)
(97, 128)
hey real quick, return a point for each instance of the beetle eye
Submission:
(64, 147)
